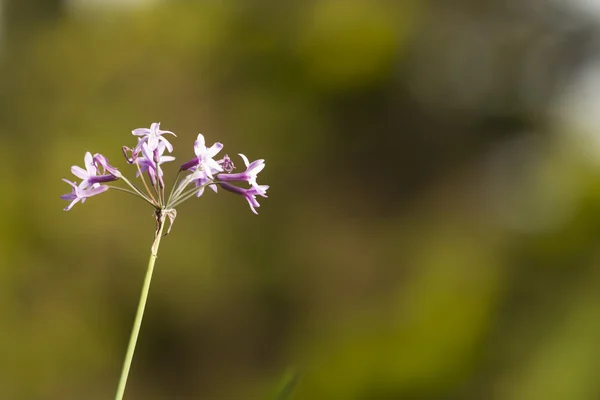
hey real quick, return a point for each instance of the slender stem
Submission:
(120, 189)
(173, 187)
(182, 185)
(144, 181)
(138, 191)
(140, 311)
(185, 196)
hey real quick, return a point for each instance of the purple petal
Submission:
(214, 149)
(89, 163)
(79, 172)
(70, 183)
(167, 143)
(256, 167)
(164, 159)
(153, 142)
(68, 196)
(141, 131)
(71, 205)
(147, 153)
(199, 146)
(244, 158)
(93, 191)
(253, 203)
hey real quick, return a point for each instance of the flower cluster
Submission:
(150, 152)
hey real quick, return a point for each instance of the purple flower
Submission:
(151, 161)
(249, 175)
(204, 157)
(249, 194)
(153, 137)
(227, 164)
(89, 176)
(78, 193)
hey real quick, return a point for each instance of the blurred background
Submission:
(433, 224)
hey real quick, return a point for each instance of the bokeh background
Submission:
(432, 229)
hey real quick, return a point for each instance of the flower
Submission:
(89, 176)
(204, 157)
(227, 164)
(153, 137)
(249, 194)
(151, 161)
(249, 175)
(78, 193)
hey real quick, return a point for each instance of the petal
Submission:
(253, 204)
(70, 183)
(200, 144)
(213, 165)
(259, 190)
(165, 159)
(153, 142)
(147, 153)
(89, 163)
(166, 143)
(79, 172)
(256, 167)
(94, 191)
(141, 131)
(71, 205)
(214, 149)
(244, 158)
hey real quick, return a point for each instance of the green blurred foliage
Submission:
(390, 261)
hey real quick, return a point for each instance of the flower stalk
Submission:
(139, 315)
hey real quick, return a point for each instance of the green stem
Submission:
(138, 191)
(140, 311)
(185, 196)
(120, 189)
(174, 185)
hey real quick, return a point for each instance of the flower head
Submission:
(148, 155)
